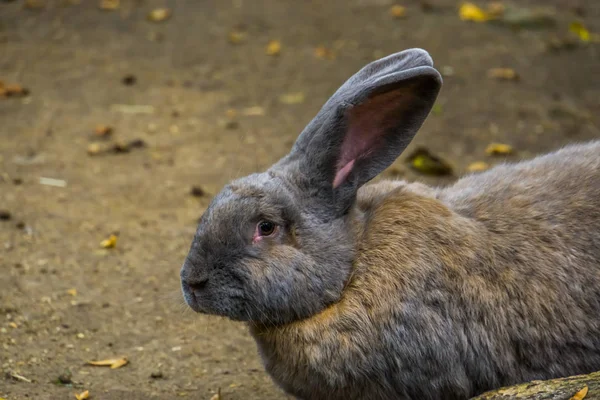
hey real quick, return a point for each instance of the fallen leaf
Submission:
(109, 5)
(253, 111)
(398, 11)
(217, 396)
(273, 48)
(236, 37)
(13, 325)
(13, 90)
(292, 98)
(580, 30)
(497, 149)
(424, 162)
(159, 15)
(581, 394)
(52, 182)
(126, 147)
(437, 109)
(324, 53)
(109, 243)
(18, 377)
(505, 74)
(113, 363)
(478, 166)
(132, 108)
(83, 395)
(471, 12)
(496, 9)
(103, 130)
(94, 148)
(72, 292)
(532, 18)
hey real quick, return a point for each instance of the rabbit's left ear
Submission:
(366, 124)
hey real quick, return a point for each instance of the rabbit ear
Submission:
(366, 124)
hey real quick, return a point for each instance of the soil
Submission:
(203, 110)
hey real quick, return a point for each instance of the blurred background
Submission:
(119, 120)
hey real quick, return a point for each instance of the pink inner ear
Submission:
(367, 123)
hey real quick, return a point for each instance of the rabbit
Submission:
(396, 290)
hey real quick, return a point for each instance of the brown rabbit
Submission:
(398, 290)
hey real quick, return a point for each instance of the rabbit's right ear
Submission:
(364, 126)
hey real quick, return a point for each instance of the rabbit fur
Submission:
(396, 290)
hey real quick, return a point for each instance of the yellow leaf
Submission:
(495, 149)
(398, 11)
(273, 48)
(236, 37)
(470, 12)
(424, 162)
(292, 98)
(72, 292)
(478, 166)
(109, 5)
(506, 74)
(83, 395)
(581, 394)
(324, 53)
(159, 14)
(113, 363)
(110, 242)
(580, 30)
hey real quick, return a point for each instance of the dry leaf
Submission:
(13, 90)
(424, 162)
(113, 363)
(470, 12)
(496, 9)
(581, 394)
(83, 395)
(253, 111)
(273, 48)
(103, 130)
(159, 15)
(93, 149)
(236, 37)
(110, 242)
(580, 30)
(497, 149)
(529, 18)
(398, 11)
(72, 292)
(109, 5)
(217, 396)
(292, 98)
(506, 74)
(18, 377)
(324, 53)
(478, 166)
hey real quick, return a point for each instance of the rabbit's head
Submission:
(278, 246)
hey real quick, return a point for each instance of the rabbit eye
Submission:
(266, 228)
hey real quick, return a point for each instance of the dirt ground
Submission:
(209, 110)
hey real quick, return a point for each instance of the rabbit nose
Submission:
(197, 283)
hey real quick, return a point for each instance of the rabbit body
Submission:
(394, 290)
(490, 282)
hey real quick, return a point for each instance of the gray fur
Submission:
(398, 290)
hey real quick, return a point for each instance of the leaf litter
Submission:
(113, 363)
